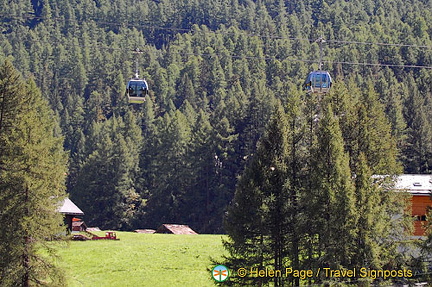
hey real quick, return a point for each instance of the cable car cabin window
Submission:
(137, 89)
(320, 81)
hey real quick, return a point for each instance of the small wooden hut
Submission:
(69, 209)
(175, 229)
(78, 225)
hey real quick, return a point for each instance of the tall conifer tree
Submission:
(332, 195)
(32, 169)
(106, 183)
(256, 220)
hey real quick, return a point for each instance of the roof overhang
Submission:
(69, 208)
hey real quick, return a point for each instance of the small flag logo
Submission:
(220, 273)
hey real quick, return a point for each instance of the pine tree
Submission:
(372, 149)
(170, 171)
(418, 148)
(106, 182)
(202, 192)
(372, 218)
(332, 210)
(373, 135)
(256, 219)
(298, 197)
(149, 148)
(32, 169)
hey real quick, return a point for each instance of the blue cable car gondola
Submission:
(318, 82)
(136, 90)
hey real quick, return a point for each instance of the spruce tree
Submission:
(373, 135)
(372, 219)
(331, 211)
(106, 183)
(418, 149)
(256, 219)
(202, 196)
(170, 171)
(32, 169)
(297, 179)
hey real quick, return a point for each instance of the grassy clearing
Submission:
(142, 260)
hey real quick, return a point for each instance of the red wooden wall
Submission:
(419, 210)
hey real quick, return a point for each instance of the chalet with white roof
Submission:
(420, 187)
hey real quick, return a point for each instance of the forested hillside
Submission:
(216, 70)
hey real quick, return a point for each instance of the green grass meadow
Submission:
(142, 260)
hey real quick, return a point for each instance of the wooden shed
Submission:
(175, 229)
(69, 209)
(78, 225)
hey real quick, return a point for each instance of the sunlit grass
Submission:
(142, 260)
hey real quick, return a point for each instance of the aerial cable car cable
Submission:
(268, 58)
(381, 44)
(150, 26)
(380, 65)
(320, 40)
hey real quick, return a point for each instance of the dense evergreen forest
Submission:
(216, 71)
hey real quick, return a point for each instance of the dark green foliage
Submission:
(216, 70)
(106, 183)
(32, 171)
(333, 213)
(228, 62)
(257, 220)
(332, 195)
(171, 180)
(418, 147)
